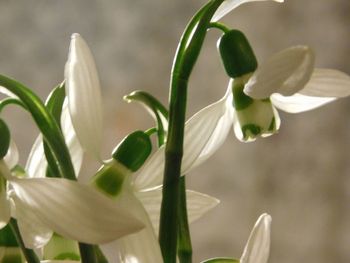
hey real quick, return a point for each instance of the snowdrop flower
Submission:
(257, 248)
(288, 81)
(142, 201)
(44, 205)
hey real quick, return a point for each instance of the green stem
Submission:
(87, 253)
(9, 101)
(185, 58)
(220, 26)
(29, 254)
(46, 123)
(184, 246)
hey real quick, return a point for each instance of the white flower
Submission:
(71, 209)
(257, 249)
(143, 202)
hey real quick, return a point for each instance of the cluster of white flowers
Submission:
(125, 225)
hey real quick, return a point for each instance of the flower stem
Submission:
(184, 246)
(185, 58)
(87, 253)
(29, 254)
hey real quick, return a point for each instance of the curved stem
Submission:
(185, 58)
(29, 254)
(220, 26)
(9, 101)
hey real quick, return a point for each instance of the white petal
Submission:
(74, 210)
(74, 147)
(5, 213)
(257, 248)
(228, 5)
(197, 204)
(12, 156)
(143, 246)
(84, 95)
(36, 164)
(327, 83)
(33, 231)
(298, 103)
(286, 72)
(204, 133)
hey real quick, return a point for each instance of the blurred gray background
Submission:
(300, 176)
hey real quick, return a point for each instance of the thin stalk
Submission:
(29, 254)
(184, 245)
(185, 58)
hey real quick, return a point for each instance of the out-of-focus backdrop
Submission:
(300, 176)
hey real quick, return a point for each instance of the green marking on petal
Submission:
(110, 178)
(250, 131)
(240, 99)
(272, 126)
(266, 100)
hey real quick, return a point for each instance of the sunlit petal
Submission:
(327, 83)
(74, 147)
(286, 72)
(298, 103)
(143, 246)
(197, 204)
(204, 133)
(84, 95)
(34, 232)
(12, 156)
(74, 210)
(5, 213)
(36, 163)
(228, 5)
(257, 248)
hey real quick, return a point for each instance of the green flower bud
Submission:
(254, 118)
(4, 139)
(133, 151)
(236, 54)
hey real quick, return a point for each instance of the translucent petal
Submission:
(327, 83)
(5, 213)
(286, 73)
(74, 210)
(228, 5)
(74, 147)
(12, 156)
(34, 232)
(197, 204)
(84, 95)
(142, 246)
(298, 103)
(257, 248)
(204, 133)
(36, 164)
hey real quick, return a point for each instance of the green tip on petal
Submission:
(4, 139)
